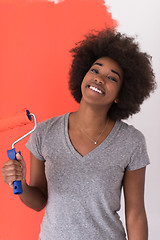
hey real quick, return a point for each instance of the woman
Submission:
(81, 160)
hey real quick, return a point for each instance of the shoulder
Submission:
(45, 132)
(51, 123)
(135, 144)
(130, 133)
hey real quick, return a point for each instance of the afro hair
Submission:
(138, 76)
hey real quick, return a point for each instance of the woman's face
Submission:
(102, 82)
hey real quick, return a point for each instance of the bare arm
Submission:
(35, 194)
(136, 221)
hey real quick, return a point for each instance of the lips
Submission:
(96, 88)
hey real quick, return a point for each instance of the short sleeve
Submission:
(35, 142)
(139, 157)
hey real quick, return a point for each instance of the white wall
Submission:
(142, 18)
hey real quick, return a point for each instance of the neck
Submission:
(91, 122)
(91, 117)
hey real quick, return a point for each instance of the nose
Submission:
(99, 80)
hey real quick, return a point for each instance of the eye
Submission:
(94, 70)
(112, 78)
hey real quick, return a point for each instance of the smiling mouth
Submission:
(96, 89)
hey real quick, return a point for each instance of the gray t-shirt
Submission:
(84, 192)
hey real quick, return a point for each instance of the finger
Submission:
(11, 162)
(12, 176)
(13, 172)
(19, 156)
(11, 168)
(10, 179)
(23, 165)
(10, 184)
(20, 159)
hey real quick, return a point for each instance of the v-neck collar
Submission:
(103, 145)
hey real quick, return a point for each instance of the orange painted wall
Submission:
(35, 39)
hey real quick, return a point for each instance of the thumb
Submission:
(22, 162)
(19, 156)
(20, 159)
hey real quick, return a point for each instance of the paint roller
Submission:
(18, 119)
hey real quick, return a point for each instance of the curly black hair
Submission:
(138, 76)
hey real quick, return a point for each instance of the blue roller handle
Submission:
(17, 186)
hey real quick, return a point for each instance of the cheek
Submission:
(83, 84)
(82, 88)
(113, 90)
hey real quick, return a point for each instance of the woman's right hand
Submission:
(35, 194)
(14, 170)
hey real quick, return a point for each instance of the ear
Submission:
(116, 101)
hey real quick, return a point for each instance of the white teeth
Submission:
(96, 89)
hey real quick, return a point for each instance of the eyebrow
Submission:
(97, 63)
(113, 71)
(116, 73)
